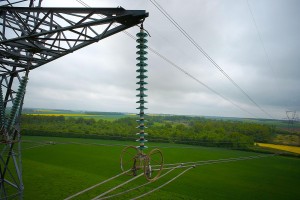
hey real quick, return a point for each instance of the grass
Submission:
(56, 171)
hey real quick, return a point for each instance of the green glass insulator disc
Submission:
(141, 95)
(141, 58)
(142, 70)
(141, 46)
(141, 115)
(142, 76)
(141, 52)
(141, 34)
(141, 120)
(141, 64)
(141, 140)
(142, 101)
(141, 67)
(141, 127)
(142, 134)
(142, 147)
(142, 108)
(142, 40)
(142, 89)
(142, 83)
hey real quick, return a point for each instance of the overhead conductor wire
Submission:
(164, 12)
(118, 186)
(268, 60)
(166, 183)
(147, 183)
(94, 186)
(260, 37)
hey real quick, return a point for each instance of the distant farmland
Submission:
(62, 167)
(76, 114)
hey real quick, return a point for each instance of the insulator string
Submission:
(141, 40)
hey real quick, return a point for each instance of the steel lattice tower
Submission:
(29, 38)
(291, 116)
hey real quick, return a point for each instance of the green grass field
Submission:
(56, 171)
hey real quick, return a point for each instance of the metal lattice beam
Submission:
(32, 37)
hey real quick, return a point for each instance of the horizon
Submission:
(167, 114)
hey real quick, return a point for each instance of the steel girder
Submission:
(29, 38)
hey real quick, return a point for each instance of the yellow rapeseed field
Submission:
(281, 147)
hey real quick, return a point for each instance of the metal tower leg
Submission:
(11, 184)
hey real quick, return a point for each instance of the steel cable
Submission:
(94, 186)
(147, 183)
(118, 186)
(166, 183)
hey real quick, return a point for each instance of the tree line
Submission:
(172, 129)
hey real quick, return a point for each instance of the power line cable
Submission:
(181, 69)
(164, 12)
(260, 37)
(82, 3)
(197, 80)
(268, 60)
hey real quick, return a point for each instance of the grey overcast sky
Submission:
(101, 77)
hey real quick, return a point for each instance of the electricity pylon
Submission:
(29, 38)
(291, 116)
